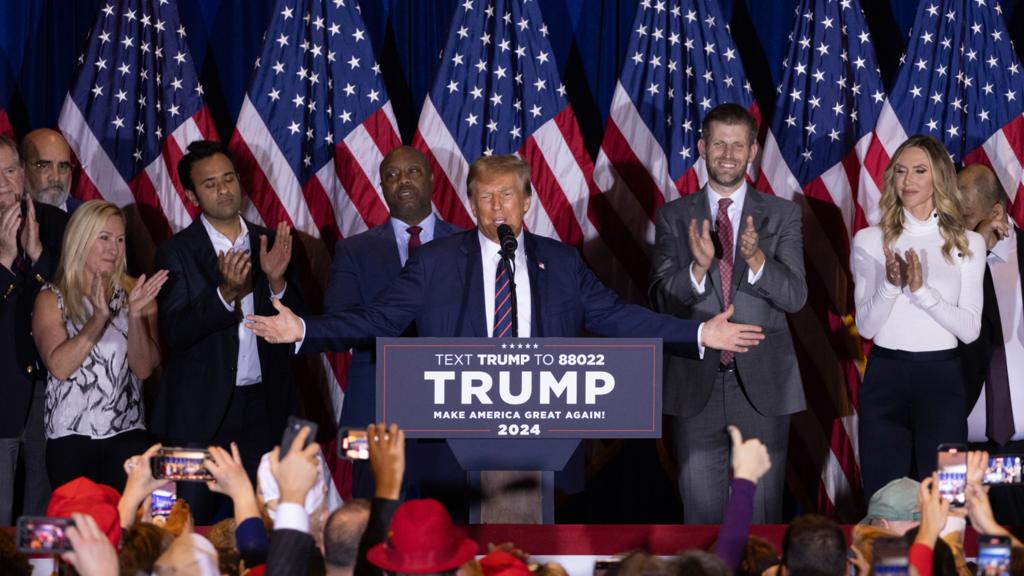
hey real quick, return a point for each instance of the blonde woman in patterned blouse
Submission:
(95, 328)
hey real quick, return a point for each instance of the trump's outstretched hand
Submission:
(721, 334)
(283, 328)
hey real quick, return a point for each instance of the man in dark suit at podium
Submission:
(449, 287)
(455, 286)
(367, 263)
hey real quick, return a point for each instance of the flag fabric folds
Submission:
(681, 62)
(314, 126)
(822, 152)
(961, 82)
(133, 108)
(497, 91)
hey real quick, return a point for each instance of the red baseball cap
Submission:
(84, 496)
(422, 540)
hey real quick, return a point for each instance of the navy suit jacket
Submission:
(364, 265)
(201, 337)
(19, 360)
(441, 290)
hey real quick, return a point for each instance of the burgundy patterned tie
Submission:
(414, 238)
(723, 227)
(998, 409)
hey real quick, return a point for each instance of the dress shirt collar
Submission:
(217, 238)
(1003, 248)
(426, 228)
(491, 250)
(737, 198)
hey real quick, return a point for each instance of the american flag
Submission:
(960, 81)
(314, 126)
(822, 152)
(680, 63)
(497, 91)
(135, 104)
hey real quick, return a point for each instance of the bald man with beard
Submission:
(47, 160)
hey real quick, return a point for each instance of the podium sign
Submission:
(520, 387)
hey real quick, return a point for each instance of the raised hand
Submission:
(721, 334)
(387, 458)
(92, 554)
(934, 510)
(10, 222)
(144, 291)
(993, 229)
(915, 276)
(99, 296)
(750, 249)
(30, 231)
(274, 262)
(750, 460)
(895, 268)
(701, 246)
(285, 327)
(139, 486)
(236, 268)
(296, 472)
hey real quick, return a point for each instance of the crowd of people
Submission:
(937, 287)
(284, 526)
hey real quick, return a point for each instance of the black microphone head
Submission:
(507, 239)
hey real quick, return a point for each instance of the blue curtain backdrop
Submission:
(40, 41)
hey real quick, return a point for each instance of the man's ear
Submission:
(191, 196)
(998, 212)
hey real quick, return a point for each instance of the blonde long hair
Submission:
(82, 231)
(945, 196)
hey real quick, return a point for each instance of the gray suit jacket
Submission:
(769, 371)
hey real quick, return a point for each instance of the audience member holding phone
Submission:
(918, 279)
(95, 328)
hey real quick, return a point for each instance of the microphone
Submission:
(507, 240)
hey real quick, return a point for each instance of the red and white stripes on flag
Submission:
(510, 101)
(134, 106)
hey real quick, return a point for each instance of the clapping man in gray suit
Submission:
(730, 245)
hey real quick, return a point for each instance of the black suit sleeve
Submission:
(185, 321)
(381, 511)
(290, 553)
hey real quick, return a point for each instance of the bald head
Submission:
(342, 533)
(981, 193)
(47, 159)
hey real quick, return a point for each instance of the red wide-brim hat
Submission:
(422, 540)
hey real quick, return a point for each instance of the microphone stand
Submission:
(508, 261)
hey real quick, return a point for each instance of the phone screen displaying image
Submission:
(161, 503)
(1003, 469)
(42, 535)
(352, 445)
(179, 464)
(952, 468)
(993, 555)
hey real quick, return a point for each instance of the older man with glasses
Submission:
(47, 159)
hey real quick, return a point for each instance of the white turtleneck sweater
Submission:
(948, 305)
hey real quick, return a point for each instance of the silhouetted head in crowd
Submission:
(344, 529)
(700, 563)
(11, 561)
(943, 560)
(758, 556)
(813, 546)
(641, 563)
(141, 545)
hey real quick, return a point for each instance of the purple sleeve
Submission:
(732, 535)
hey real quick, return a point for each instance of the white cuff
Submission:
(753, 277)
(697, 287)
(700, 347)
(925, 297)
(298, 344)
(230, 307)
(291, 516)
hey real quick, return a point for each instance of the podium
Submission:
(508, 405)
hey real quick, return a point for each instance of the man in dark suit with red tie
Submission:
(994, 363)
(367, 263)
